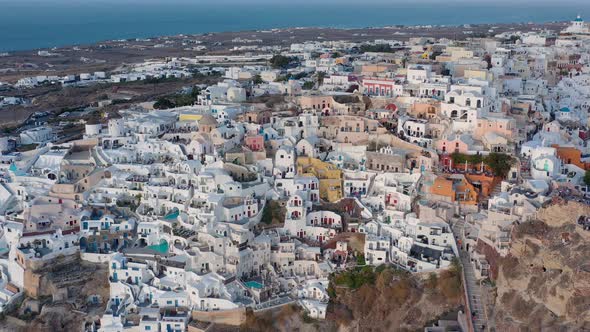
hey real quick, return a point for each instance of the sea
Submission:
(34, 24)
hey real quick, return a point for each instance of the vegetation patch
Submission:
(499, 163)
(273, 214)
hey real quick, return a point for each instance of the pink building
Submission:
(504, 127)
(254, 143)
(454, 143)
(316, 102)
(381, 87)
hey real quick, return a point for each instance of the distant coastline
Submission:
(59, 24)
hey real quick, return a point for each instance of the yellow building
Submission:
(190, 116)
(341, 61)
(479, 74)
(329, 175)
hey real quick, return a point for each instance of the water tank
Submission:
(4, 147)
(236, 94)
(93, 129)
(116, 128)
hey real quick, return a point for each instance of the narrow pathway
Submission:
(474, 295)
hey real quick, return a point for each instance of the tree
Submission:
(184, 100)
(195, 92)
(280, 61)
(382, 48)
(587, 178)
(299, 76)
(282, 78)
(257, 79)
(163, 104)
(460, 158)
(434, 54)
(513, 39)
(456, 266)
(500, 163)
(360, 259)
(321, 76)
(272, 213)
(308, 85)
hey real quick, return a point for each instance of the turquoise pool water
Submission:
(254, 284)
(162, 247)
(172, 215)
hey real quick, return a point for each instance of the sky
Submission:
(276, 2)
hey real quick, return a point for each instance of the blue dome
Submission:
(564, 109)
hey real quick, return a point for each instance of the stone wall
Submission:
(234, 317)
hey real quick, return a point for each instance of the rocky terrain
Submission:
(392, 300)
(63, 300)
(544, 283)
(285, 319)
(369, 299)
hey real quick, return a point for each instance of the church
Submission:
(577, 27)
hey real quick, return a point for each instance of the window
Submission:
(148, 328)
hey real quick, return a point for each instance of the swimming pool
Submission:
(162, 247)
(172, 215)
(254, 284)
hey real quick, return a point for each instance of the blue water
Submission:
(162, 247)
(30, 24)
(172, 215)
(254, 284)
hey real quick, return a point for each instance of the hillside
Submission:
(544, 283)
(392, 300)
(371, 299)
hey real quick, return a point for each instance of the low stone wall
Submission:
(234, 317)
(96, 258)
(65, 256)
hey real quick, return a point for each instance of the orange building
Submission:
(483, 183)
(571, 155)
(426, 110)
(455, 188)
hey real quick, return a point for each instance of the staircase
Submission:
(495, 191)
(475, 305)
(99, 157)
